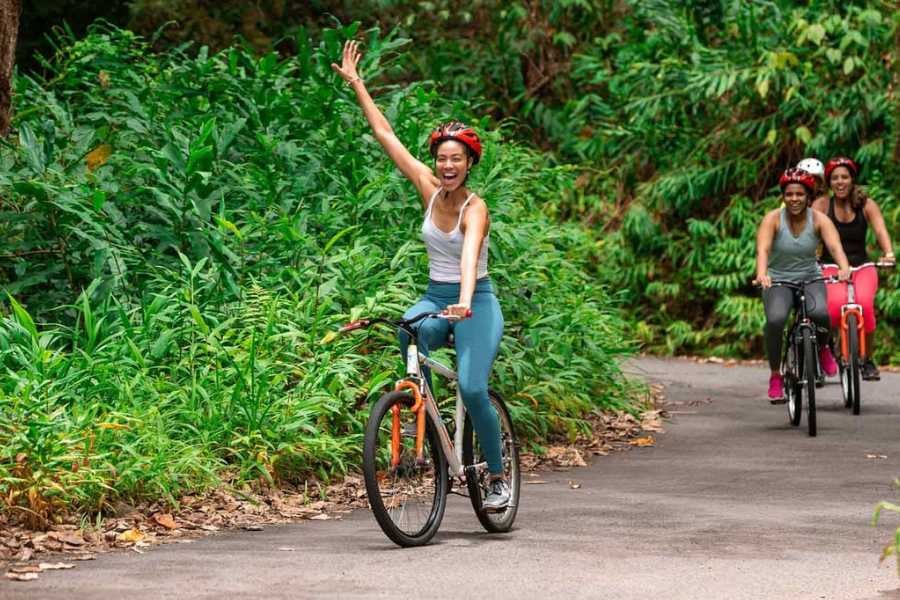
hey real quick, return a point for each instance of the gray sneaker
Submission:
(498, 496)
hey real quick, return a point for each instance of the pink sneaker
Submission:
(776, 387)
(826, 359)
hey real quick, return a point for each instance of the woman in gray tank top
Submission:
(786, 250)
(455, 231)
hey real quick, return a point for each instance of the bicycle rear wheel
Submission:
(853, 363)
(408, 500)
(500, 522)
(809, 378)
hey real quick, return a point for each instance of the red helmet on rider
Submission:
(797, 176)
(841, 161)
(460, 132)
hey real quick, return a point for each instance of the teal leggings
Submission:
(477, 341)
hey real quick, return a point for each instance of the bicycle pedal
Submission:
(778, 401)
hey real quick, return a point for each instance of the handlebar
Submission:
(404, 324)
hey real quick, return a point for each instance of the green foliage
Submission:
(179, 233)
(893, 547)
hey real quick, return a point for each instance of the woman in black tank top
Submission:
(852, 211)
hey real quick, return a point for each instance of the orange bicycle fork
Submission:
(418, 409)
(846, 311)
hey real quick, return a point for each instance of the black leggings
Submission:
(778, 302)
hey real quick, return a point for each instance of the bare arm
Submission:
(414, 170)
(764, 237)
(476, 227)
(874, 216)
(832, 240)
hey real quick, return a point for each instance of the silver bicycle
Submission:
(410, 460)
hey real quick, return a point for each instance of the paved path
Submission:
(732, 503)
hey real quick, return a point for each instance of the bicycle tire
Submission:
(792, 386)
(853, 363)
(809, 376)
(374, 476)
(503, 521)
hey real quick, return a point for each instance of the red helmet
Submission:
(841, 161)
(455, 130)
(797, 176)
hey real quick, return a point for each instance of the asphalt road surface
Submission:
(731, 503)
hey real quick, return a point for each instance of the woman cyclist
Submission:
(456, 234)
(786, 245)
(852, 212)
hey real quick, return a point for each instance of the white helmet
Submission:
(812, 166)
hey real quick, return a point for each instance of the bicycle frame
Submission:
(424, 404)
(415, 382)
(800, 322)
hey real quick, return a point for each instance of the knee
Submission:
(775, 323)
(474, 394)
(432, 333)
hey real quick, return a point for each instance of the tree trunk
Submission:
(9, 32)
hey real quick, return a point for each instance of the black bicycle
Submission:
(800, 358)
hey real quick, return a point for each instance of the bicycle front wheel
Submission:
(792, 387)
(407, 499)
(809, 378)
(500, 522)
(853, 363)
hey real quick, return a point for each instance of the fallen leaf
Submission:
(286, 549)
(98, 156)
(25, 569)
(536, 481)
(165, 520)
(26, 555)
(131, 536)
(320, 517)
(72, 539)
(643, 441)
(55, 566)
(574, 485)
(252, 527)
(21, 576)
(876, 456)
(84, 556)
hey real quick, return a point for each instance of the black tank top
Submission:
(853, 237)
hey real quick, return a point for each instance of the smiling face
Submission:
(795, 198)
(841, 181)
(451, 164)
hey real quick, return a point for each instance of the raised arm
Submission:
(414, 170)
(874, 216)
(764, 237)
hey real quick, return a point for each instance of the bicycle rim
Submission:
(809, 377)
(472, 455)
(408, 499)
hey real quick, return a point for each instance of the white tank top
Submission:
(445, 248)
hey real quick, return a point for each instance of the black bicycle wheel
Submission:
(408, 500)
(792, 387)
(499, 522)
(853, 363)
(809, 379)
(844, 374)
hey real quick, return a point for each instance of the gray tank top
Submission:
(794, 257)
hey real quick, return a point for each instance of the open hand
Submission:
(350, 59)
